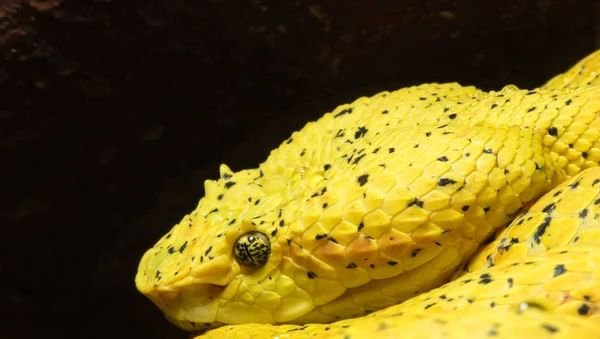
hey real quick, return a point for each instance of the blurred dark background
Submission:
(113, 113)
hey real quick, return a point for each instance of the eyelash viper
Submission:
(432, 211)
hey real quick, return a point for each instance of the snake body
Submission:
(432, 211)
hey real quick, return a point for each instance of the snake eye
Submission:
(252, 249)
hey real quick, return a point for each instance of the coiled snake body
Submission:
(431, 211)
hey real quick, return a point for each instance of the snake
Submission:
(432, 211)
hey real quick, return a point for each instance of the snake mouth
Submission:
(194, 303)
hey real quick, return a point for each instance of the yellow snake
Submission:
(434, 211)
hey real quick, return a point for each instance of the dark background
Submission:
(113, 113)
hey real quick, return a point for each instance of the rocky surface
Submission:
(112, 113)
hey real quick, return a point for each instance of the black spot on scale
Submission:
(549, 208)
(170, 250)
(182, 248)
(429, 305)
(452, 116)
(392, 150)
(510, 282)
(360, 226)
(542, 229)
(363, 179)
(351, 265)
(531, 109)
(575, 184)
(229, 184)
(583, 309)
(311, 274)
(385, 111)
(583, 213)
(360, 132)
(568, 102)
(357, 159)
(584, 155)
(465, 208)
(442, 159)
(298, 328)
(494, 106)
(220, 197)
(392, 263)
(326, 167)
(273, 232)
(415, 202)
(320, 236)
(428, 134)
(550, 328)
(344, 111)
(531, 92)
(559, 270)
(485, 279)
(445, 181)
(487, 151)
(596, 182)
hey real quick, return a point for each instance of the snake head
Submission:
(211, 275)
(222, 264)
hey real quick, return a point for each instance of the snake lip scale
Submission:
(436, 210)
